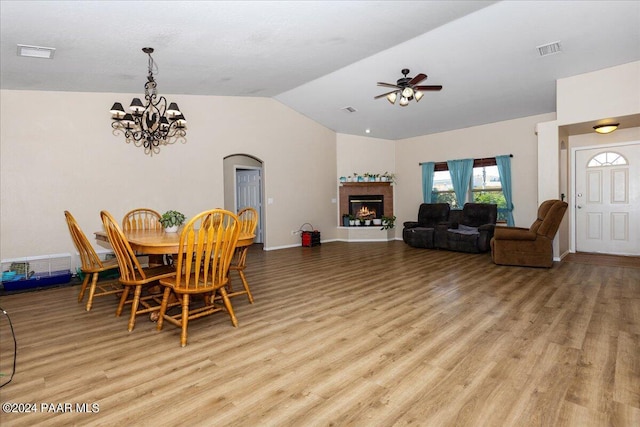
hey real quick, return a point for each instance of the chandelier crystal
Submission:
(152, 124)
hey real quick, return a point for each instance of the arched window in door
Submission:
(607, 158)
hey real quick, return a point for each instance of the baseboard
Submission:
(275, 248)
(564, 254)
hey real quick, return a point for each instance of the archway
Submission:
(244, 186)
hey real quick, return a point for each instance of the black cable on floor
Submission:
(15, 347)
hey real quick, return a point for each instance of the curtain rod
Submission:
(484, 158)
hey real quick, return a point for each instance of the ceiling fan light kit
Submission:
(392, 97)
(407, 88)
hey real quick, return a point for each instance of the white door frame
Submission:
(235, 195)
(572, 174)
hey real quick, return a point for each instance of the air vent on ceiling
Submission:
(349, 109)
(549, 49)
(36, 51)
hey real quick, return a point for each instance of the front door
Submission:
(607, 199)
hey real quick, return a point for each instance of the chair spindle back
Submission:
(141, 219)
(88, 256)
(209, 240)
(130, 269)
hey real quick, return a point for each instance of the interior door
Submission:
(607, 199)
(249, 194)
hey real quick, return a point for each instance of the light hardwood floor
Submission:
(348, 334)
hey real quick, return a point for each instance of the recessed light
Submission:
(36, 51)
(367, 130)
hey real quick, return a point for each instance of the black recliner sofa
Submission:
(466, 230)
(421, 233)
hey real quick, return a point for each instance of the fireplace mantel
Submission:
(366, 184)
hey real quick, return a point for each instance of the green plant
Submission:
(389, 176)
(388, 222)
(172, 218)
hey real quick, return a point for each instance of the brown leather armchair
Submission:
(529, 247)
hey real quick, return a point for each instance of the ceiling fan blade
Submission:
(417, 79)
(387, 85)
(435, 87)
(384, 94)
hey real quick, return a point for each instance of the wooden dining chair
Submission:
(133, 275)
(248, 222)
(141, 219)
(209, 240)
(144, 219)
(92, 266)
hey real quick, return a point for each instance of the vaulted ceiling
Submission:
(319, 57)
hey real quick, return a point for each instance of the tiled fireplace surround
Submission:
(368, 189)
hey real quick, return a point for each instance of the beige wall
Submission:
(594, 139)
(602, 94)
(57, 152)
(515, 137)
(360, 154)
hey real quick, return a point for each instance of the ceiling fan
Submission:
(407, 88)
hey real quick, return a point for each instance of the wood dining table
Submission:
(159, 242)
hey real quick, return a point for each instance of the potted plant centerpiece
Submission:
(171, 220)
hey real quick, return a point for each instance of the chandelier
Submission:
(153, 124)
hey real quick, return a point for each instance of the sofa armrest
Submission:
(514, 233)
(411, 224)
(487, 227)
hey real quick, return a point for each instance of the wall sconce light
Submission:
(606, 128)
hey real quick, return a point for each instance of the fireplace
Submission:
(366, 206)
(369, 192)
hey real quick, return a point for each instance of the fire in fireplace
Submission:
(366, 206)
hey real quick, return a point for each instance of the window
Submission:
(608, 158)
(485, 187)
(443, 189)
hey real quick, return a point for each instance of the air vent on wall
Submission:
(549, 49)
(348, 109)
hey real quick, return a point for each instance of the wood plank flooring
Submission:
(603, 259)
(347, 334)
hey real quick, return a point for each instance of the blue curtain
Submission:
(427, 181)
(461, 171)
(504, 170)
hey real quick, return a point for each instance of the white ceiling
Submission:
(320, 56)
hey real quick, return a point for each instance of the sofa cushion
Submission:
(431, 214)
(477, 214)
